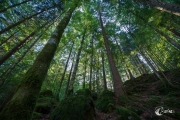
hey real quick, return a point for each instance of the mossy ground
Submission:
(147, 93)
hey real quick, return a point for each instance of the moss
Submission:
(44, 104)
(123, 100)
(126, 114)
(105, 102)
(75, 107)
(136, 109)
(36, 115)
(46, 93)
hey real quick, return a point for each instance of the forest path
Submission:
(105, 116)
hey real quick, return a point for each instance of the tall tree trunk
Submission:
(71, 85)
(84, 76)
(104, 73)
(22, 104)
(9, 7)
(67, 92)
(117, 82)
(167, 7)
(62, 78)
(91, 65)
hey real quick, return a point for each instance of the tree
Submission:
(19, 105)
(117, 82)
(167, 7)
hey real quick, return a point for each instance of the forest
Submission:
(89, 59)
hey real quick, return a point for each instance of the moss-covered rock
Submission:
(126, 114)
(105, 102)
(75, 107)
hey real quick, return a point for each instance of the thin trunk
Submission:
(8, 71)
(175, 32)
(62, 78)
(170, 40)
(8, 38)
(18, 46)
(117, 82)
(5, 9)
(130, 74)
(84, 77)
(91, 65)
(25, 19)
(71, 86)
(22, 104)
(68, 81)
(104, 74)
(167, 7)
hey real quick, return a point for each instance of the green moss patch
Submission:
(105, 102)
(75, 107)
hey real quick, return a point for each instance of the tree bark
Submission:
(91, 65)
(22, 104)
(117, 82)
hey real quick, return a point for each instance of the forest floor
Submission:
(145, 93)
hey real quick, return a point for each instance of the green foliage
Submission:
(105, 102)
(126, 114)
(75, 107)
(123, 100)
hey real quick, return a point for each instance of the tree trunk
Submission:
(167, 7)
(68, 81)
(62, 78)
(71, 85)
(5, 9)
(22, 104)
(91, 65)
(84, 76)
(117, 82)
(104, 73)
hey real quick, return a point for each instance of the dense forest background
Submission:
(63, 46)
